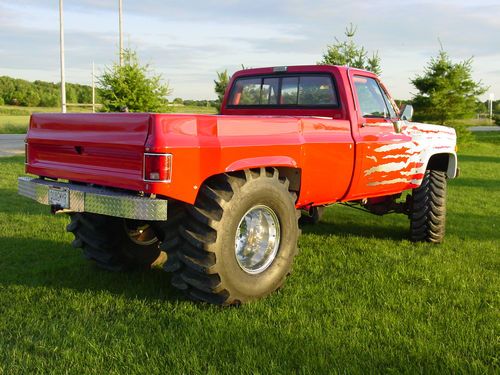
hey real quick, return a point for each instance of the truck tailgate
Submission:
(104, 149)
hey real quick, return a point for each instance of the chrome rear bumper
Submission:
(82, 198)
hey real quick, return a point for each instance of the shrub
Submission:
(132, 86)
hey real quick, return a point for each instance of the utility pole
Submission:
(93, 88)
(61, 47)
(120, 30)
(490, 102)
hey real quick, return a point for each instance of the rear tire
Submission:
(117, 244)
(106, 241)
(428, 208)
(239, 239)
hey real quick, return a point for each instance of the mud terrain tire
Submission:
(117, 244)
(222, 229)
(428, 208)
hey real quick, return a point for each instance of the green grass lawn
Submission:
(361, 299)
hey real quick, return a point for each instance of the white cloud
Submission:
(188, 41)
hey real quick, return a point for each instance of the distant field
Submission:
(15, 119)
(362, 299)
(473, 122)
(192, 109)
(13, 124)
(19, 111)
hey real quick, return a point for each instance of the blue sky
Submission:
(188, 41)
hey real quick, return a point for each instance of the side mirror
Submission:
(406, 112)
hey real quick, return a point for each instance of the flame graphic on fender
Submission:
(405, 162)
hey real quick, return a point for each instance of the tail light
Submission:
(157, 167)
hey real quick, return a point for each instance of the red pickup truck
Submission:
(216, 199)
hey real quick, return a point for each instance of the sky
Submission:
(187, 42)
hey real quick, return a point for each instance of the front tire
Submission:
(240, 238)
(428, 208)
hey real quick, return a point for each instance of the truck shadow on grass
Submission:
(478, 159)
(56, 265)
(396, 233)
(487, 185)
(459, 226)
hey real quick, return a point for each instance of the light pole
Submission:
(120, 30)
(61, 47)
(93, 88)
(490, 102)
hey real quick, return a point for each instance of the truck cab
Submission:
(380, 150)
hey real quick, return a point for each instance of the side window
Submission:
(371, 100)
(388, 103)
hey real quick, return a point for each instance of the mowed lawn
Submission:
(13, 124)
(361, 299)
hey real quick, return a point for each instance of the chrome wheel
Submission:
(257, 239)
(141, 234)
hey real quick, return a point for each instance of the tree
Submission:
(30, 98)
(496, 107)
(446, 90)
(132, 86)
(50, 100)
(221, 84)
(348, 53)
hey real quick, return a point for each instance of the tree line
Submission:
(20, 92)
(14, 91)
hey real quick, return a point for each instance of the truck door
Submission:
(383, 156)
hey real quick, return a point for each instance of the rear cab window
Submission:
(284, 91)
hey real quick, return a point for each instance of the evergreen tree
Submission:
(221, 84)
(132, 86)
(348, 53)
(446, 90)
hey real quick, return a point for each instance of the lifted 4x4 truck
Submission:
(216, 199)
